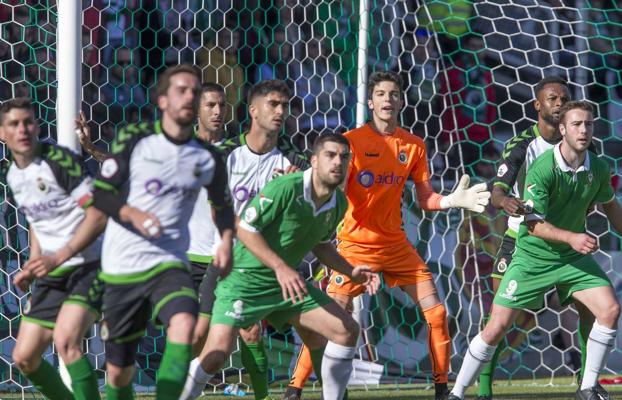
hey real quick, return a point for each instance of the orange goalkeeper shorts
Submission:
(400, 266)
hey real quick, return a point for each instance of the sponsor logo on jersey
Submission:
(41, 185)
(157, 188)
(372, 154)
(368, 178)
(242, 193)
(36, 208)
(402, 157)
(503, 169)
(510, 290)
(109, 168)
(250, 215)
(238, 309)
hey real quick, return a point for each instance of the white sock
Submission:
(478, 355)
(336, 370)
(599, 345)
(195, 382)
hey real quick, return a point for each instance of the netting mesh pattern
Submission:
(470, 69)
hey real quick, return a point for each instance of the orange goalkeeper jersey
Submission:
(379, 168)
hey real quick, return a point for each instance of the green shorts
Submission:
(524, 285)
(242, 308)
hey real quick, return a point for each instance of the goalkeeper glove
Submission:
(474, 198)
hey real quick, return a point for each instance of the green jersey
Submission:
(561, 196)
(285, 215)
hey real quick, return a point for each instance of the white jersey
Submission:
(534, 149)
(51, 192)
(203, 231)
(151, 172)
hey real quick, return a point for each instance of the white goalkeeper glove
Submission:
(474, 198)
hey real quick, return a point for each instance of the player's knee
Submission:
(350, 332)
(25, 361)
(213, 361)
(181, 328)
(68, 347)
(494, 331)
(118, 376)
(436, 316)
(609, 315)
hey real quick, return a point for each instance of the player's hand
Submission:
(223, 259)
(512, 206)
(41, 266)
(474, 198)
(146, 223)
(583, 243)
(23, 279)
(289, 170)
(83, 131)
(292, 285)
(364, 275)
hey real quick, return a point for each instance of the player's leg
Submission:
(175, 305)
(76, 316)
(439, 343)
(72, 323)
(482, 348)
(339, 328)
(35, 334)
(602, 302)
(32, 340)
(206, 278)
(255, 359)
(503, 260)
(341, 290)
(219, 345)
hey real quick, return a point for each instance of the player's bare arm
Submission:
(580, 242)
(292, 284)
(84, 136)
(501, 200)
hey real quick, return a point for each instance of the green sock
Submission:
(83, 380)
(173, 370)
(316, 360)
(255, 360)
(584, 334)
(47, 380)
(124, 393)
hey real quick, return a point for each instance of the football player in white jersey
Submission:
(149, 186)
(253, 159)
(52, 188)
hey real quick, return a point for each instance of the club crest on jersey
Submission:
(502, 265)
(109, 168)
(339, 280)
(42, 186)
(402, 157)
(250, 214)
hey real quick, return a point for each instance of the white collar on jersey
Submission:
(565, 167)
(307, 191)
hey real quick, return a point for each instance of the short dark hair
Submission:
(383, 76)
(547, 81)
(318, 144)
(164, 80)
(18, 102)
(573, 105)
(211, 87)
(268, 86)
